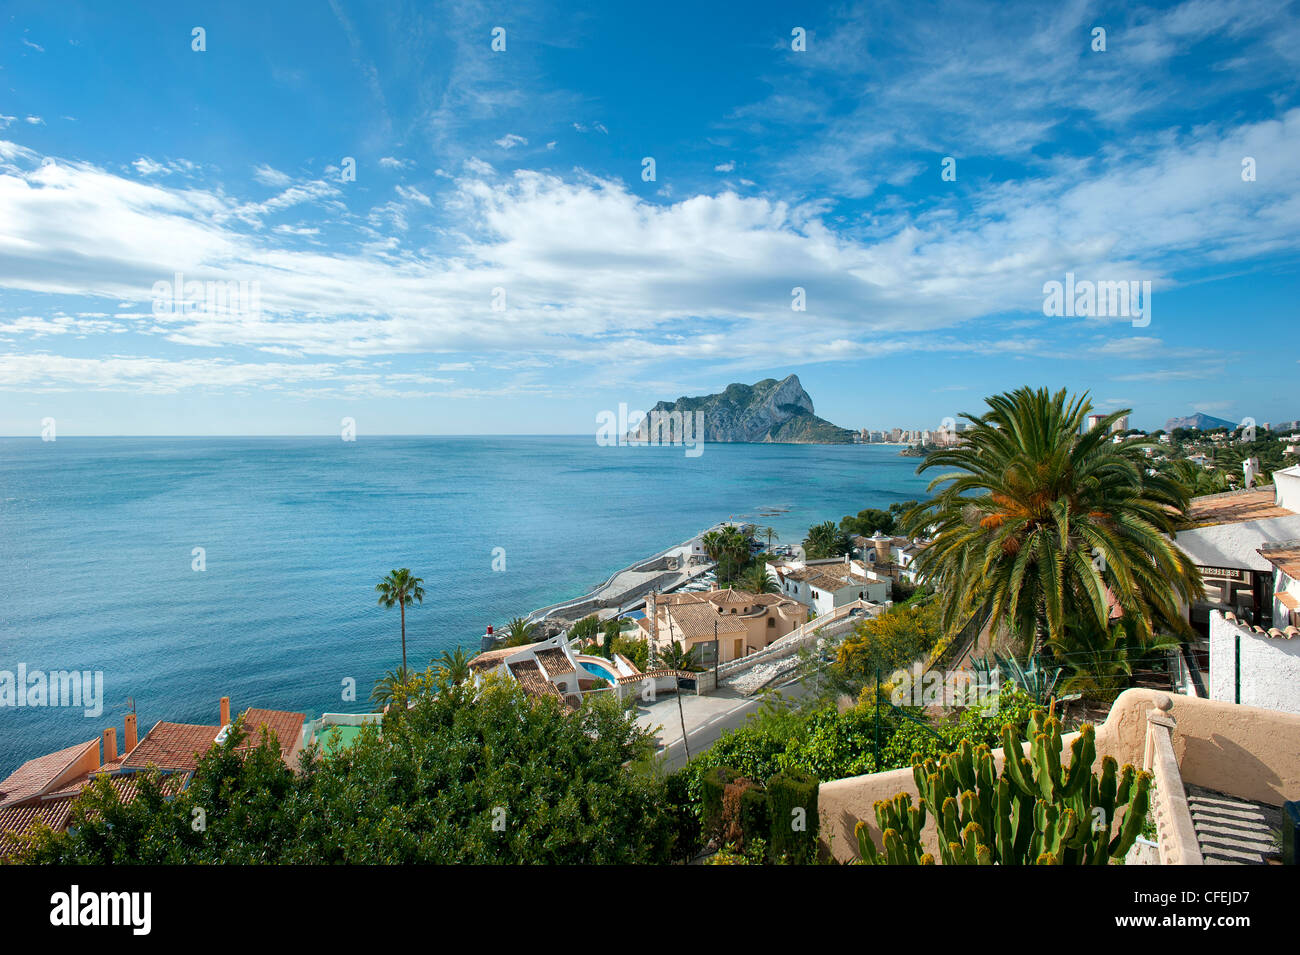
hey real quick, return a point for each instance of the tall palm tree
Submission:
(519, 632)
(1038, 521)
(757, 580)
(728, 548)
(400, 588)
(452, 665)
(771, 535)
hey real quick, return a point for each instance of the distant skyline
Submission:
(502, 263)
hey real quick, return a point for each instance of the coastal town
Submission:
(690, 643)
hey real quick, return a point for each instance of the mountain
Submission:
(766, 412)
(1202, 421)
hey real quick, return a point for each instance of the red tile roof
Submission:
(55, 809)
(286, 726)
(32, 777)
(172, 746)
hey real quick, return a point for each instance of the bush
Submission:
(794, 834)
(713, 786)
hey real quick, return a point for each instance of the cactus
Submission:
(1036, 812)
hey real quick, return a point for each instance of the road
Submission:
(707, 718)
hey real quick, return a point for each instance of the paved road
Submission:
(707, 718)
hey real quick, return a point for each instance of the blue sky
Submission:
(515, 177)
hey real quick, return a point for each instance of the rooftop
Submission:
(1232, 507)
(1284, 556)
(33, 777)
(172, 746)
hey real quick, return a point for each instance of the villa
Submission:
(736, 622)
(1246, 545)
(823, 585)
(552, 668)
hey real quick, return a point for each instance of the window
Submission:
(771, 621)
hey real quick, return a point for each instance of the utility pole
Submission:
(677, 681)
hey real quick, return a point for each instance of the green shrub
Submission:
(792, 808)
(713, 786)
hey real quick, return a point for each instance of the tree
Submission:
(728, 548)
(586, 628)
(468, 774)
(1037, 520)
(400, 588)
(519, 632)
(675, 658)
(867, 522)
(392, 687)
(612, 629)
(825, 540)
(892, 641)
(453, 666)
(771, 535)
(757, 580)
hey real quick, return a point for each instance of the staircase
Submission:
(1232, 831)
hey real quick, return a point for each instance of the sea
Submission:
(187, 569)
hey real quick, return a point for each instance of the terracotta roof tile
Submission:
(33, 776)
(1285, 557)
(529, 675)
(495, 657)
(286, 726)
(173, 746)
(1232, 507)
(555, 661)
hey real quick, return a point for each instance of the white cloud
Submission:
(390, 162)
(728, 166)
(412, 194)
(271, 177)
(592, 272)
(510, 141)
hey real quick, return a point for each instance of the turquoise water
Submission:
(596, 669)
(97, 534)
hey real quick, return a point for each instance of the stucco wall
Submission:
(1269, 666)
(1246, 751)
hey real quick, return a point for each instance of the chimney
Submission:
(129, 739)
(225, 710)
(110, 744)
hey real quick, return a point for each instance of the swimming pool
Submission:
(599, 669)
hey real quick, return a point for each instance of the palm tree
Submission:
(391, 687)
(453, 666)
(675, 658)
(519, 632)
(1039, 522)
(827, 539)
(771, 535)
(757, 580)
(400, 588)
(1195, 479)
(728, 548)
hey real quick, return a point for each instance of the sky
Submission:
(463, 218)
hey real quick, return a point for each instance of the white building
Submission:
(824, 585)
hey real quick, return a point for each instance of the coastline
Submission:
(639, 578)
